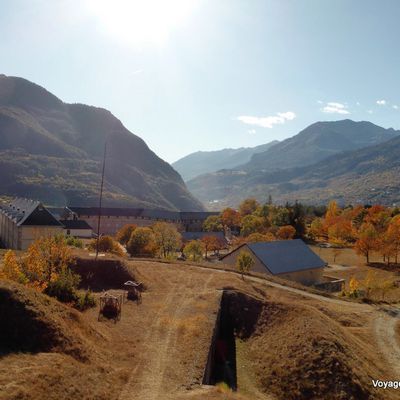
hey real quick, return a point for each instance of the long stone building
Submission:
(22, 221)
(112, 219)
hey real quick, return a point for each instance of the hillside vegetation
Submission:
(53, 151)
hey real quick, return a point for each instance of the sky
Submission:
(189, 75)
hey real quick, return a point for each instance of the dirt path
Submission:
(148, 380)
(385, 333)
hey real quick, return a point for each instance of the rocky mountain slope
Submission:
(319, 141)
(202, 162)
(367, 175)
(53, 151)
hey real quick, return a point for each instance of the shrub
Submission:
(64, 287)
(84, 301)
(142, 243)
(107, 245)
(125, 233)
(74, 242)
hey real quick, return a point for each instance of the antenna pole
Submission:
(100, 200)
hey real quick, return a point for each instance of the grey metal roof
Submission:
(28, 212)
(286, 256)
(142, 212)
(75, 224)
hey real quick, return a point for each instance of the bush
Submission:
(107, 245)
(142, 243)
(125, 233)
(74, 242)
(64, 287)
(84, 301)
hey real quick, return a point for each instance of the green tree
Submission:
(213, 223)
(244, 262)
(167, 238)
(194, 250)
(251, 224)
(142, 243)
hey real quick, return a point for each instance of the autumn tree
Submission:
(213, 223)
(392, 236)
(167, 238)
(248, 207)
(244, 262)
(230, 218)
(46, 259)
(194, 250)
(124, 234)
(286, 232)
(367, 240)
(317, 229)
(142, 243)
(260, 237)
(211, 243)
(106, 244)
(354, 285)
(12, 269)
(251, 224)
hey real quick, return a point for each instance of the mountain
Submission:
(53, 151)
(203, 162)
(319, 141)
(367, 175)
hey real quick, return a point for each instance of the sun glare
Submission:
(141, 21)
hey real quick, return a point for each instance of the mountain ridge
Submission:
(369, 174)
(53, 150)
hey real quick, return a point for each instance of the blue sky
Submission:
(209, 74)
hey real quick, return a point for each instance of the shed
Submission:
(288, 259)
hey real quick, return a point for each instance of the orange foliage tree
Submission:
(286, 232)
(211, 243)
(367, 240)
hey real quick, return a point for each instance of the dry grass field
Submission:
(348, 264)
(290, 344)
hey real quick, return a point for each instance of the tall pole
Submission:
(100, 200)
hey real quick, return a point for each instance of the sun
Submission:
(141, 21)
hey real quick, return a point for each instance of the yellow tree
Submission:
(244, 262)
(11, 268)
(167, 238)
(46, 259)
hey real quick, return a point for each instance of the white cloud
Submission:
(358, 103)
(335, 108)
(320, 102)
(381, 102)
(267, 122)
(370, 112)
(395, 106)
(251, 131)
